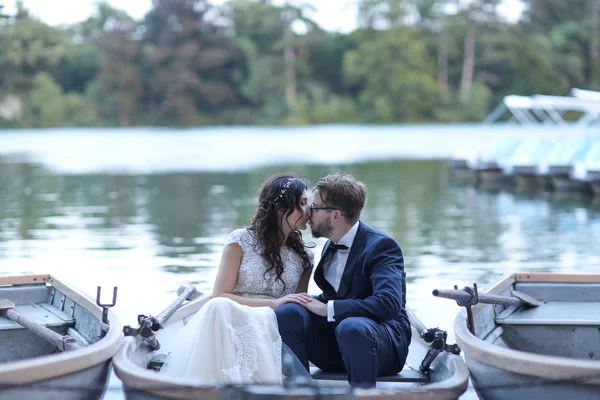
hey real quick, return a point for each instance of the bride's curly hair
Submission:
(278, 198)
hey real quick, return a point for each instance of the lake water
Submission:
(149, 209)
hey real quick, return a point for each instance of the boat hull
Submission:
(566, 184)
(492, 383)
(89, 384)
(492, 178)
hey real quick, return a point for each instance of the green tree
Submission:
(78, 67)
(382, 14)
(105, 18)
(542, 15)
(514, 62)
(433, 21)
(45, 104)
(120, 74)
(257, 29)
(28, 46)
(475, 13)
(278, 56)
(396, 75)
(574, 34)
(322, 107)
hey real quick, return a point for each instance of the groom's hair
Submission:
(343, 192)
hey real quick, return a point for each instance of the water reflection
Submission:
(170, 227)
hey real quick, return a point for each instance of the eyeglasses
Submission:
(313, 208)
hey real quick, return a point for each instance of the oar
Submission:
(185, 294)
(470, 296)
(416, 322)
(64, 343)
(149, 324)
(520, 299)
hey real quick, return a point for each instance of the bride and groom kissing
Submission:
(260, 310)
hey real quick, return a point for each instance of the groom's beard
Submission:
(324, 229)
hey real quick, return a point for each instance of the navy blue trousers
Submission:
(359, 346)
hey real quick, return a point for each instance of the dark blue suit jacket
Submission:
(373, 285)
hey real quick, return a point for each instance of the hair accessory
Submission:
(282, 192)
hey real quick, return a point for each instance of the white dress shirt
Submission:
(335, 270)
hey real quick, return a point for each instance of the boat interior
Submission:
(43, 304)
(410, 376)
(565, 324)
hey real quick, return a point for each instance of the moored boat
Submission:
(555, 171)
(55, 342)
(432, 370)
(523, 163)
(461, 166)
(532, 336)
(468, 166)
(587, 172)
(489, 167)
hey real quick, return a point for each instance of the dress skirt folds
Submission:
(228, 343)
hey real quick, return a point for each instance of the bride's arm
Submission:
(227, 278)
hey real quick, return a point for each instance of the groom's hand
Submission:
(316, 307)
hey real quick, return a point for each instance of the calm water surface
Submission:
(148, 232)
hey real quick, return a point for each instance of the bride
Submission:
(233, 338)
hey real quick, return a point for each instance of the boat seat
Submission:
(157, 361)
(408, 375)
(41, 313)
(564, 313)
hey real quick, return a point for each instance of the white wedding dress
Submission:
(229, 343)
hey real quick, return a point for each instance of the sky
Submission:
(333, 15)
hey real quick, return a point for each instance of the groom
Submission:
(359, 323)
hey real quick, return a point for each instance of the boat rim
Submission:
(56, 365)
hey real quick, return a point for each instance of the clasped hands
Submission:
(310, 303)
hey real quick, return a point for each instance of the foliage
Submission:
(195, 62)
(48, 106)
(78, 67)
(319, 107)
(28, 46)
(195, 68)
(396, 76)
(120, 74)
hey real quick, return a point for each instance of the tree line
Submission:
(192, 62)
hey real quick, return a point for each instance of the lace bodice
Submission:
(252, 280)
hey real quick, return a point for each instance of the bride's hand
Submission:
(298, 298)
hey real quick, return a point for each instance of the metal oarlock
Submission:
(105, 307)
(471, 301)
(437, 338)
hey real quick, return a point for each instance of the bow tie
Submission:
(333, 248)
